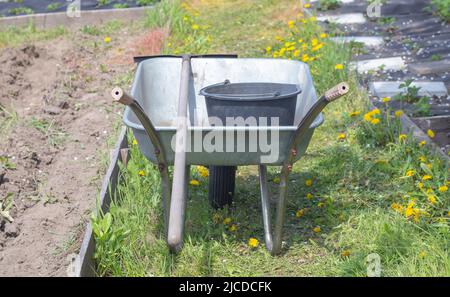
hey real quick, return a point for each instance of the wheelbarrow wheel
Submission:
(221, 185)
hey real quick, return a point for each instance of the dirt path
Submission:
(53, 155)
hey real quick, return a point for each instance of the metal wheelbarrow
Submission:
(169, 119)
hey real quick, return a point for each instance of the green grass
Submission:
(54, 6)
(356, 181)
(55, 136)
(14, 36)
(22, 10)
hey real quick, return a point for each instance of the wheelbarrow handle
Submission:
(332, 94)
(180, 170)
(273, 241)
(120, 96)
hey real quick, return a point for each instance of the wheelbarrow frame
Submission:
(272, 236)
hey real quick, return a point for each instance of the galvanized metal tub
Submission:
(156, 87)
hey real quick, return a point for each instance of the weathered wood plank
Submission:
(84, 263)
(430, 67)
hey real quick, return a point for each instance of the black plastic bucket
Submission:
(268, 100)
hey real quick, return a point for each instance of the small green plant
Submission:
(411, 96)
(422, 107)
(442, 9)
(90, 30)
(20, 10)
(386, 20)
(55, 137)
(5, 207)
(357, 48)
(108, 240)
(6, 163)
(101, 3)
(436, 57)
(120, 5)
(145, 2)
(328, 4)
(54, 6)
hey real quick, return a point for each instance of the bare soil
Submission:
(58, 142)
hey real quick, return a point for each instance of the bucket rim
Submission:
(262, 97)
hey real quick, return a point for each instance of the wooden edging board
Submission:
(83, 264)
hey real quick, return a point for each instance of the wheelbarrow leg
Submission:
(273, 243)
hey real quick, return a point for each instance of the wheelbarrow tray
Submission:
(156, 88)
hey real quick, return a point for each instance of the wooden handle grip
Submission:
(337, 91)
(120, 96)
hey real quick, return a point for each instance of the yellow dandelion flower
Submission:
(314, 42)
(430, 133)
(268, 49)
(317, 229)
(279, 38)
(338, 66)
(107, 39)
(141, 173)
(309, 196)
(375, 121)
(300, 40)
(345, 253)
(420, 185)
(317, 47)
(355, 113)
(203, 171)
(226, 221)
(308, 182)
(432, 199)
(402, 137)
(422, 159)
(253, 242)
(323, 35)
(296, 53)
(306, 5)
(385, 99)
(397, 207)
(300, 213)
(233, 228)
(341, 136)
(194, 182)
(195, 27)
(398, 113)
(422, 143)
(410, 173)
(427, 177)
(291, 24)
(134, 141)
(422, 255)
(305, 58)
(368, 117)
(443, 189)
(409, 211)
